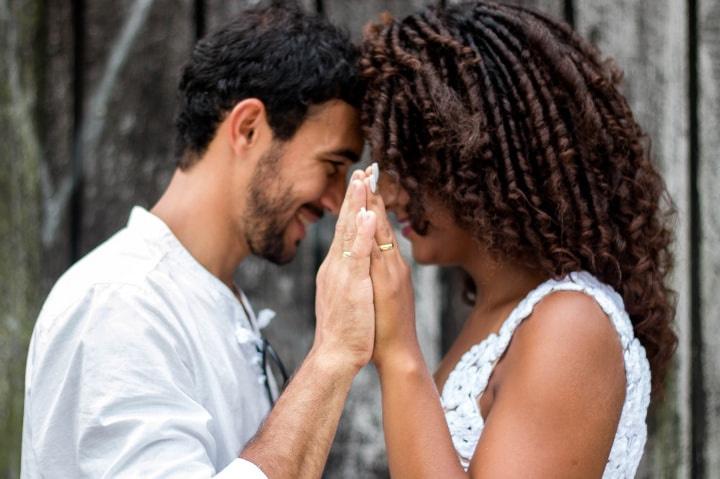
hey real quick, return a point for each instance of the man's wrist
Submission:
(332, 364)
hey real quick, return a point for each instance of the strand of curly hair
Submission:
(517, 124)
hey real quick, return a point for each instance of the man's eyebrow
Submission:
(345, 153)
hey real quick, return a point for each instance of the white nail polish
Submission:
(374, 176)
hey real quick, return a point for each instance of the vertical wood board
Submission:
(20, 268)
(222, 11)
(708, 182)
(133, 61)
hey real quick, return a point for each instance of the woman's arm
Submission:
(416, 433)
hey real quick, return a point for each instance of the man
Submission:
(146, 360)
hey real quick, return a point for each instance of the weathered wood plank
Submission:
(355, 15)
(221, 11)
(20, 267)
(709, 227)
(133, 59)
(55, 121)
(648, 38)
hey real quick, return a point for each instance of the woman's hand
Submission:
(344, 300)
(395, 335)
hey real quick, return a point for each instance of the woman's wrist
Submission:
(407, 359)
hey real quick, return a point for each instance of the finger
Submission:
(358, 175)
(373, 173)
(355, 199)
(384, 234)
(363, 242)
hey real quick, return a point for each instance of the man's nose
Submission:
(333, 196)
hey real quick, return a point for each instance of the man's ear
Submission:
(246, 121)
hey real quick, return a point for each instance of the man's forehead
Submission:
(334, 129)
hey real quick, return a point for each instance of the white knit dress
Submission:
(469, 378)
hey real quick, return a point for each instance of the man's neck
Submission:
(196, 207)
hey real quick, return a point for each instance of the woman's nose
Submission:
(389, 189)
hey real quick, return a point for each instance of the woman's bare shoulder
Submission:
(569, 350)
(561, 393)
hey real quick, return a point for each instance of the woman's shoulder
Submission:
(571, 323)
(568, 347)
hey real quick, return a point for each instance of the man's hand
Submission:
(296, 437)
(345, 328)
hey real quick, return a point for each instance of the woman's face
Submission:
(444, 243)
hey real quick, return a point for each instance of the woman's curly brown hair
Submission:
(516, 124)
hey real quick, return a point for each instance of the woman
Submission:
(517, 159)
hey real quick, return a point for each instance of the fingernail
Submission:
(375, 175)
(363, 213)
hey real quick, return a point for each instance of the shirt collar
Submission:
(148, 225)
(154, 229)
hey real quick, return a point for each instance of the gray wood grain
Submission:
(133, 60)
(648, 38)
(221, 11)
(356, 14)
(20, 213)
(709, 191)
(56, 128)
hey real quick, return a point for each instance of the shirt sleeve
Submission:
(241, 469)
(112, 395)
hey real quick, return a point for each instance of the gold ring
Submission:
(386, 246)
(347, 254)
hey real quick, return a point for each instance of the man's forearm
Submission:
(295, 439)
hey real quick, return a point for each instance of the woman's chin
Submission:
(423, 257)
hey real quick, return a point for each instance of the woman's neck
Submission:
(500, 282)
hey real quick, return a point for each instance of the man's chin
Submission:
(288, 254)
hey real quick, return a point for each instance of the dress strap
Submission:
(607, 298)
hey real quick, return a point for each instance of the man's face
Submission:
(297, 180)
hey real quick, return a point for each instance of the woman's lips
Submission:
(405, 227)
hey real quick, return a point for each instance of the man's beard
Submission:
(268, 212)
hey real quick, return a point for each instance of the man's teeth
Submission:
(304, 220)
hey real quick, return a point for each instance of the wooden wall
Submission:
(87, 95)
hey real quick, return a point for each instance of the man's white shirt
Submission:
(142, 364)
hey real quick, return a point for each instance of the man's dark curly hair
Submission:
(286, 58)
(516, 124)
